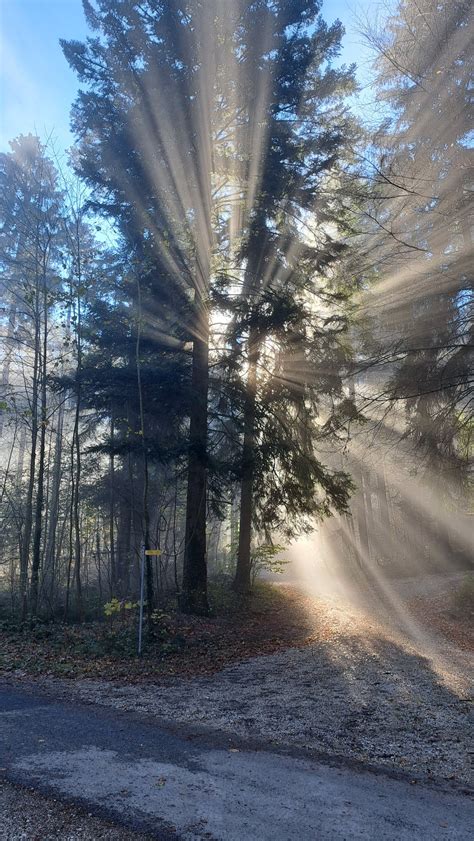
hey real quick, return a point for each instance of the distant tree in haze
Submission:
(423, 303)
(414, 340)
(31, 242)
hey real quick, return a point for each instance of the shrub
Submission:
(265, 558)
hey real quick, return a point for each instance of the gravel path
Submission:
(208, 786)
(370, 692)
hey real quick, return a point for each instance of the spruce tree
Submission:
(290, 315)
(211, 132)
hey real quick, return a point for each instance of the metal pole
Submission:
(142, 583)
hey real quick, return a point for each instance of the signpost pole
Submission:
(145, 552)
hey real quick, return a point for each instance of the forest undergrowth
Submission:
(273, 618)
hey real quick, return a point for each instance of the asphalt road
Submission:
(189, 785)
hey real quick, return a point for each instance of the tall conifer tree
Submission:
(211, 130)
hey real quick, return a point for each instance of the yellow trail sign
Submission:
(152, 551)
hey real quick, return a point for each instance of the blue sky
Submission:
(37, 87)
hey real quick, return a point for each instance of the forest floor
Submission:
(388, 683)
(276, 617)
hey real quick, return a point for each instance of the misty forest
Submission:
(236, 333)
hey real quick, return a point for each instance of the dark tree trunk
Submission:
(21, 457)
(98, 555)
(382, 494)
(50, 552)
(123, 542)
(350, 544)
(113, 573)
(234, 520)
(360, 510)
(242, 580)
(35, 566)
(175, 547)
(193, 597)
(28, 524)
(76, 444)
(365, 518)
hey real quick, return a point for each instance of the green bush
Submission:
(222, 599)
(264, 558)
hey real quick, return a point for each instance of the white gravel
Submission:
(368, 693)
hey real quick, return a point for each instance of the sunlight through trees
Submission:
(240, 312)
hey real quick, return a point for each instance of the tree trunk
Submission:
(193, 597)
(113, 571)
(7, 359)
(364, 518)
(77, 482)
(123, 540)
(21, 457)
(234, 520)
(28, 523)
(175, 548)
(35, 566)
(383, 501)
(242, 581)
(50, 554)
(98, 558)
